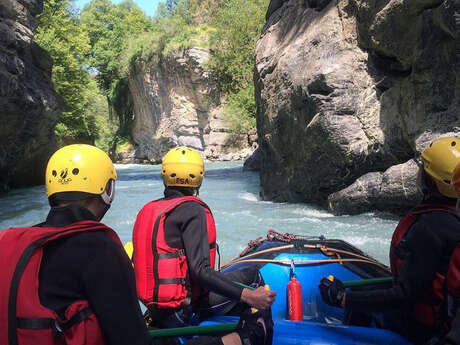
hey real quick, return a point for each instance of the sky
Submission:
(148, 6)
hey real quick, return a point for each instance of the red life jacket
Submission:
(427, 311)
(23, 319)
(162, 276)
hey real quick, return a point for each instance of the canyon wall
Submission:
(348, 92)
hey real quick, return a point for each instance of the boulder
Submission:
(252, 163)
(394, 190)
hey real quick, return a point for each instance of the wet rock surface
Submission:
(348, 89)
(28, 103)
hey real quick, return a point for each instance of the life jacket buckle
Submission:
(56, 329)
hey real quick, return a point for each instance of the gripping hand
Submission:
(332, 291)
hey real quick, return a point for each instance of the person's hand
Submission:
(332, 291)
(256, 328)
(258, 298)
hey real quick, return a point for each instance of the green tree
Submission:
(110, 27)
(61, 34)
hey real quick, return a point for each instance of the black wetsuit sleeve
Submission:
(195, 240)
(110, 286)
(424, 252)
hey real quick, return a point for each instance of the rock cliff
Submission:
(348, 91)
(177, 102)
(28, 103)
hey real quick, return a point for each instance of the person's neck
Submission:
(186, 191)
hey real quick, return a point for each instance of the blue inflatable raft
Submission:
(312, 259)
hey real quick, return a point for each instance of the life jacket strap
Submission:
(57, 327)
(78, 317)
(172, 255)
(34, 322)
(180, 281)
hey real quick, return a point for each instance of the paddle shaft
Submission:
(194, 330)
(347, 283)
(365, 282)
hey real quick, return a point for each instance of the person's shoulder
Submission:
(440, 223)
(92, 240)
(437, 216)
(191, 206)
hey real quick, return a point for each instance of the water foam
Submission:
(311, 212)
(248, 196)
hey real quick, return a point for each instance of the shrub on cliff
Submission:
(238, 26)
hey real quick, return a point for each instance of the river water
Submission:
(232, 196)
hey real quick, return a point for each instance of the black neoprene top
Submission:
(92, 266)
(429, 244)
(186, 226)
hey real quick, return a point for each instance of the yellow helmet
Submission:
(182, 167)
(81, 168)
(439, 161)
(456, 179)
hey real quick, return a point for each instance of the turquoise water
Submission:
(233, 197)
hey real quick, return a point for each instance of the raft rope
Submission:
(273, 235)
(304, 262)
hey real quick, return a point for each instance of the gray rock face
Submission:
(394, 190)
(28, 103)
(177, 102)
(350, 87)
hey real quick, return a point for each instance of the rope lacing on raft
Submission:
(273, 235)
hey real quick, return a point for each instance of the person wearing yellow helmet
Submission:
(456, 184)
(73, 259)
(174, 242)
(421, 258)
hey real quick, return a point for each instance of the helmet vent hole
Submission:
(75, 171)
(453, 143)
(201, 173)
(173, 175)
(191, 175)
(164, 171)
(447, 181)
(102, 189)
(183, 152)
(54, 173)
